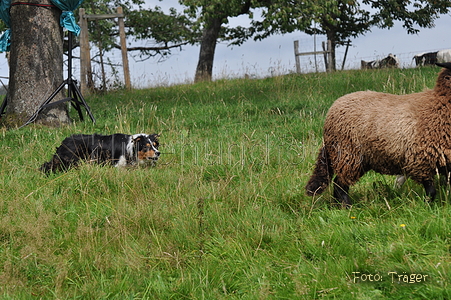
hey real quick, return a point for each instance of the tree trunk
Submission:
(210, 35)
(36, 67)
(331, 37)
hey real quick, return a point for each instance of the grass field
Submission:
(224, 214)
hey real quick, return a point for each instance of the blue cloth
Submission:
(5, 39)
(67, 19)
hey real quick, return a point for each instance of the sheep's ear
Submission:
(444, 65)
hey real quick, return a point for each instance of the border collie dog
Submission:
(117, 149)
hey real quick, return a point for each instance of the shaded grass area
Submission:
(224, 213)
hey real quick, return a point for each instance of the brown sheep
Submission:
(390, 134)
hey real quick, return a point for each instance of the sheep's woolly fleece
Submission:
(390, 134)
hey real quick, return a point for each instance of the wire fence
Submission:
(146, 74)
(317, 64)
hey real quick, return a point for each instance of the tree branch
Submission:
(151, 48)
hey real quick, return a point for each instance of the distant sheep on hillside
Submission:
(390, 134)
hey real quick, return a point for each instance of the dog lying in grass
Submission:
(117, 149)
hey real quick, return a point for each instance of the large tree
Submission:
(36, 59)
(212, 18)
(36, 62)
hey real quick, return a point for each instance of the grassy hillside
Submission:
(224, 214)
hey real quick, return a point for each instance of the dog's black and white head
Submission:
(144, 147)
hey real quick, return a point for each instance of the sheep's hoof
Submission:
(342, 197)
(430, 190)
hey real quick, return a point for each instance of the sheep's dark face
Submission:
(445, 65)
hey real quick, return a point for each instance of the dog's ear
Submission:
(154, 136)
(136, 139)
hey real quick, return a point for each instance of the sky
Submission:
(275, 55)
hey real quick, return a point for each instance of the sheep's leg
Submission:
(429, 188)
(341, 192)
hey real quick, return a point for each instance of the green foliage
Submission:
(153, 23)
(165, 31)
(204, 12)
(224, 213)
(341, 19)
(422, 13)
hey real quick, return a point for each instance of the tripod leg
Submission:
(80, 97)
(76, 103)
(3, 107)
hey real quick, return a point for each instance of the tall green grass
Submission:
(224, 213)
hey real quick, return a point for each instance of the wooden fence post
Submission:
(326, 63)
(296, 56)
(127, 80)
(326, 52)
(85, 55)
(346, 54)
